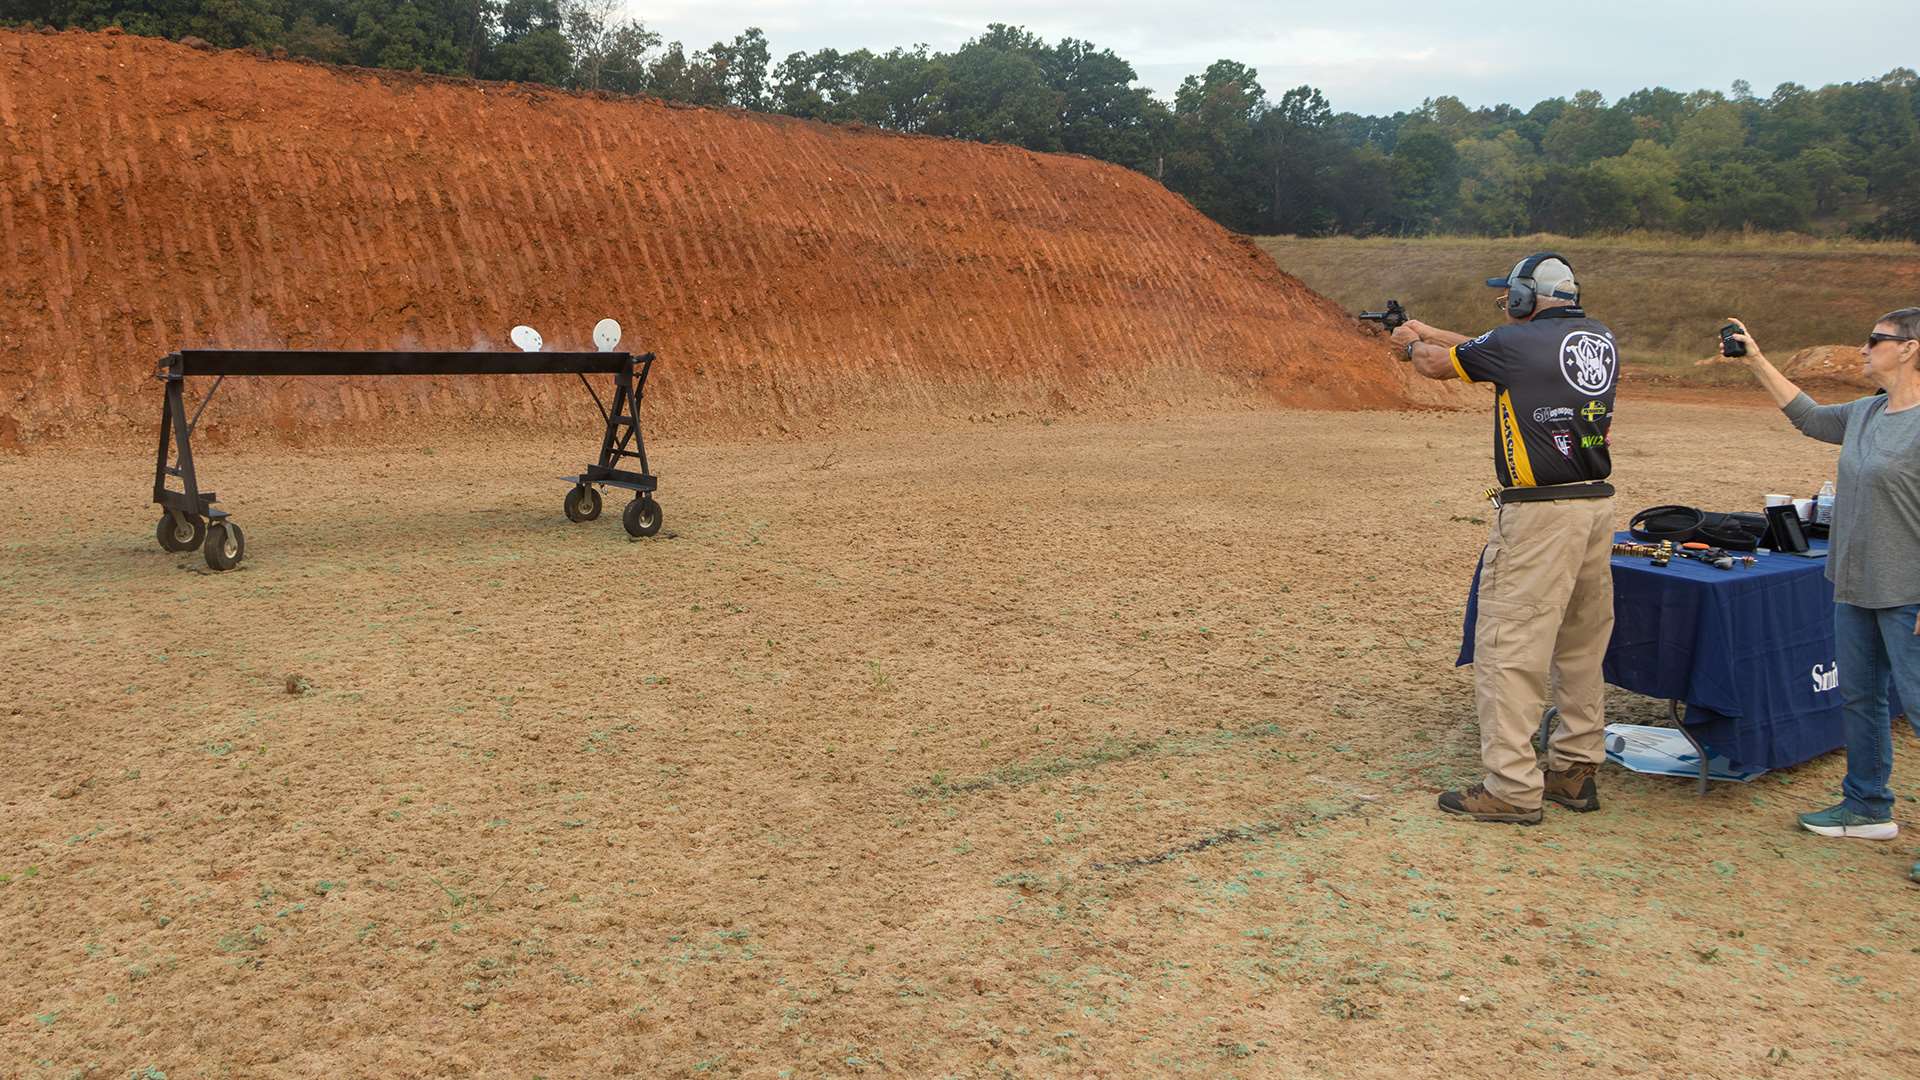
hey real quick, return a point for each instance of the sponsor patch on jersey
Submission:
(1589, 361)
(1564, 440)
(1544, 415)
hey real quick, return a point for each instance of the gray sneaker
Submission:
(1837, 820)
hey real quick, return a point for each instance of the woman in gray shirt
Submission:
(1873, 559)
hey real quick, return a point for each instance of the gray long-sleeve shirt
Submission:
(1874, 554)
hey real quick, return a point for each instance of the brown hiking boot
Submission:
(1480, 805)
(1574, 788)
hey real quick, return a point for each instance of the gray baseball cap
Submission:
(1550, 277)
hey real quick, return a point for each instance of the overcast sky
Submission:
(1375, 57)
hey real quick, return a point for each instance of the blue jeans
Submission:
(1871, 645)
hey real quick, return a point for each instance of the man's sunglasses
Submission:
(1877, 337)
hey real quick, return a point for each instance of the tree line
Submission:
(1843, 157)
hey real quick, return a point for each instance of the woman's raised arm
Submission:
(1828, 423)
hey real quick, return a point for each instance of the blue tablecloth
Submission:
(1749, 650)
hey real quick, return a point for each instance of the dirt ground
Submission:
(1010, 749)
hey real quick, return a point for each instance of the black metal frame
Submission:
(1700, 751)
(1552, 713)
(622, 417)
(620, 441)
(177, 429)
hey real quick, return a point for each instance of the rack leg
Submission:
(1699, 751)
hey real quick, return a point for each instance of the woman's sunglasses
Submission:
(1876, 338)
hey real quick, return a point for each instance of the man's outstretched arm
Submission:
(1433, 360)
(1433, 335)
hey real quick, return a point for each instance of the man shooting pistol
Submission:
(1546, 587)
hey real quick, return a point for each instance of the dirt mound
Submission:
(1834, 365)
(159, 197)
(1820, 367)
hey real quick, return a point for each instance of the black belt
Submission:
(1593, 489)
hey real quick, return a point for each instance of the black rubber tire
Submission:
(168, 533)
(583, 504)
(226, 545)
(641, 517)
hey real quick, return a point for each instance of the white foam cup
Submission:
(1778, 500)
(1804, 508)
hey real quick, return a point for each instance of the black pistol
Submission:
(1390, 320)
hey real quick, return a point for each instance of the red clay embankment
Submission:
(153, 197)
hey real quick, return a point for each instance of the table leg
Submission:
(1700, 752)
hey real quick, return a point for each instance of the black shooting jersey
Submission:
(1555, 375)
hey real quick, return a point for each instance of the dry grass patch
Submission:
(1663, 295)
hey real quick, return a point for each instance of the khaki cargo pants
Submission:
(1545, 607)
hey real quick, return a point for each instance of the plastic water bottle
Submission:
(1823, 506)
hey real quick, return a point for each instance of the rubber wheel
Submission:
(583, 504)
(180, 534)
(641, 517)
(226, 545)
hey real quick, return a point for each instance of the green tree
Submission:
(1735, 195)
(740, 66)
(318, 40)
(1825, 171)
(1210, 159)
(1575, 201)
(1712, 135)
(901, 89)
(1900, 192)
(1426, 178)
(1496, 182)
(1539, 119)
(229, 24)
(695, 79)
(1656, 113)
(608, 53)
(1362, 192)
(1451, 115)
(1792, 121)
(819, 85)
(1379, 132)
(1645, 176)
(436, 36)
(532, 46)
(1297, 156)
(1588, 130)
(996, 90)
(1101, 113)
